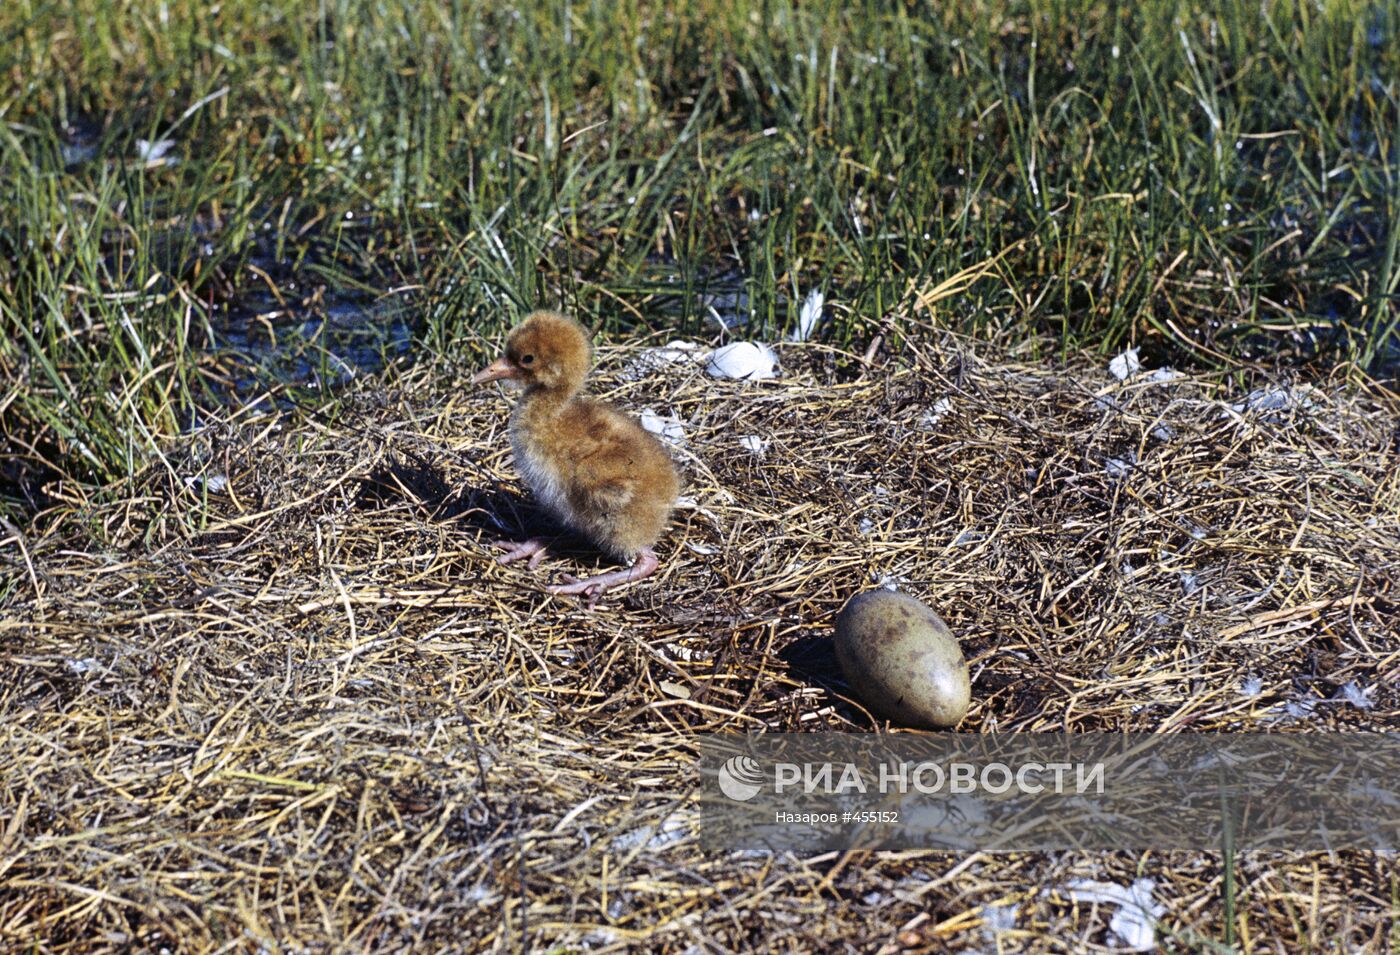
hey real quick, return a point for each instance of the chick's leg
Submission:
(534, 548)
(644, 566)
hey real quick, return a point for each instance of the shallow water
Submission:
(347, 334)
(693, 300)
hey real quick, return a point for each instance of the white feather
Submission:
(1125, 365)
(809, 316)
(666, 427)
(671, 355)
(1134, 922)
(747, 361)
(153, 151)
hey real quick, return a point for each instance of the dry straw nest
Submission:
(291, 704)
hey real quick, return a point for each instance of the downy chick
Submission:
(593, 467)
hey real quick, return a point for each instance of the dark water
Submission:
(265, 341)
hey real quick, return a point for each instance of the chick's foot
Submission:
(593, 587)
(534, 548)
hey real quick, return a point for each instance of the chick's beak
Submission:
(500, 368)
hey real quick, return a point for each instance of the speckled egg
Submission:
(902, 661)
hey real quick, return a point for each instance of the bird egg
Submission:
(900, 658)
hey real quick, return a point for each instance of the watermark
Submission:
(740, 778)
(1031, 778)
(1049, 791)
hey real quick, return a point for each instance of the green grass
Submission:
(1214, 182)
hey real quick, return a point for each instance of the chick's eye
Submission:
(527, 359)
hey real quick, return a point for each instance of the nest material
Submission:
(280, 695)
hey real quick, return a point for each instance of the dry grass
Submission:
(307, 712)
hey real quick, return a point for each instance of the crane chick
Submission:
(593, 468)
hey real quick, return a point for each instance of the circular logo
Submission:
(740, 778)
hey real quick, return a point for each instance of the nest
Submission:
(279, 693)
